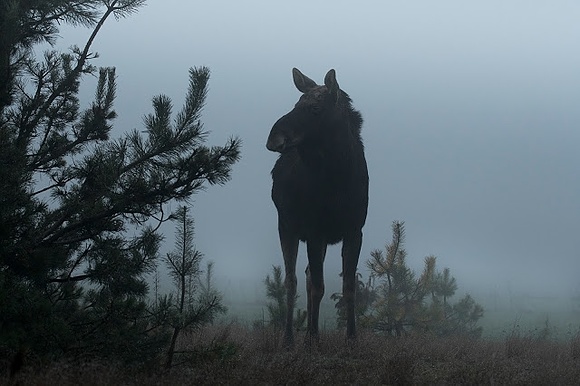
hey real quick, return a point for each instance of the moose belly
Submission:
(315, 204)
(328, 227)
(325, 218)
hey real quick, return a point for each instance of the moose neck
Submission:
(336, 146)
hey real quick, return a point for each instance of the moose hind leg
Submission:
(315, 283)
(289, 244)
(351, 246)
(308, 297)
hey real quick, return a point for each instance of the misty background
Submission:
(471, 131)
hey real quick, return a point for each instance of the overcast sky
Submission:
(472, 123)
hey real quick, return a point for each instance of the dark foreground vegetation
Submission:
(235, 354)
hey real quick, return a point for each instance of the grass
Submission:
(234, 354)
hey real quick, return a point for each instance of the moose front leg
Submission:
(314, 283)
(351, 246)
(289, 244)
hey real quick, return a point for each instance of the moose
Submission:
(320, 190)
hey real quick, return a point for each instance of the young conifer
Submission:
(79, 207)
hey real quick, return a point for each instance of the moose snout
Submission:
(286, 133)
(276, 142)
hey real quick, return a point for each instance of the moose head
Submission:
(314, 112)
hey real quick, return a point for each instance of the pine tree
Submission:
(365, 297)
(276, 292)
(198, 303)
(403, 303)
(79, 211)
(399, 292)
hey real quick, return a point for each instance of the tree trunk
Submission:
(171, 350)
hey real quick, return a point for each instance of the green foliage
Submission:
(276, 292)
(404, 301)
(198, 303)
(79, 210)
(366, 295)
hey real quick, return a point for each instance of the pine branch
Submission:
(69, 80)
(70, 279)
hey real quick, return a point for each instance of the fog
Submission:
(471, 128)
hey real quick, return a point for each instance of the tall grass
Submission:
(235, 354)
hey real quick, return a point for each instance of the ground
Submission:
(236, 354)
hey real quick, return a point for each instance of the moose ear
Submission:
(302, 82)
(331, 83)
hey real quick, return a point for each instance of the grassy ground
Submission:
(235, 354)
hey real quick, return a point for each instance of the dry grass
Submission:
(237, 355)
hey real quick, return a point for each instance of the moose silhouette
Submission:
(320, 190)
